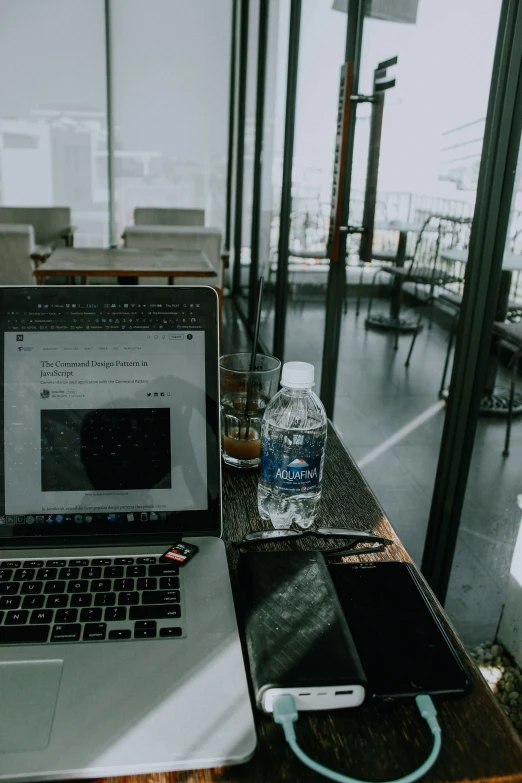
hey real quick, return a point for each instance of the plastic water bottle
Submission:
(293, 438)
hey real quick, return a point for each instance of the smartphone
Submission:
(403, 647)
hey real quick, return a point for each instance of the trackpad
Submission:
(28, 692)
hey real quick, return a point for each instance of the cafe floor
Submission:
(390, 419)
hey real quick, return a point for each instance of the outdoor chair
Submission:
(427, 271)
(511, 335)
(454, 300)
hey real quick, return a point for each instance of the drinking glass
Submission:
(241, 428)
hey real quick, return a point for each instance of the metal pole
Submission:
(337, 271)
(258, 151)
(231, 117)
(240, 147)
(483, 273)
(110, 141)
(281, 293)
(372, 176)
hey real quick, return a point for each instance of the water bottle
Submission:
(293, 438)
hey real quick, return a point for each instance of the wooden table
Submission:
(376, 741)
(123, 263)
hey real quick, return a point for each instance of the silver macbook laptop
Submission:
(113, 661)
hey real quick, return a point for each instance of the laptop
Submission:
(112, 660)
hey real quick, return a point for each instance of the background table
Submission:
(393, 320)
(376, 741)
(124, 262)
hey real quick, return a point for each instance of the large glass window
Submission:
(170, 65)
(53, 137)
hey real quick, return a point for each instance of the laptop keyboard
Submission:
(89, 600)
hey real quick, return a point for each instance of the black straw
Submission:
(254, 353)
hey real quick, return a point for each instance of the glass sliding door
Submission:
(390, 411)
(53, 129)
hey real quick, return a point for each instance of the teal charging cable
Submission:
(285, 713)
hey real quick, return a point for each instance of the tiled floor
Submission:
(391, 420)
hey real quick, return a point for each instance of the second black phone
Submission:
(403, 647)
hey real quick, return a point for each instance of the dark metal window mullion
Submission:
(483, 273)
(231, 121)
(240, 146)
(258, 151)
(281, 293)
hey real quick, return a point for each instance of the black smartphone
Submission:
(403, 647)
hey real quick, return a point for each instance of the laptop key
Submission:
(116, 613)
(16, 618)
(155, 612)
(120, 633)
(112, 572)
(126, 599)
(24, 634)
(136, 570)
(171, 631)
(33, 602)
(10, 564)
(54, 587)
(104, 599)
(66, 615)
(164, 569)
(69, 573)
(161, 597)
(79, 586)
(56, 563)
(9, 601)
(90, 615)
(123, 561)
(145, 633)
(94, 632)
(78, 562)
(91, 572)
(146, 560)
(33, 563)
(46, 573)
(31, 588)
(66, 632)
(41, 616)
(145, 624)
(123, 584)
(24, 574)
(100, 586)
(169, 583)
(102, 561)
(81, 599)
(57, 601)
(9, 588)
(5, 574)
(147, 583)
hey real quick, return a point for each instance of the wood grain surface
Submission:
(375, 742)
(125, 261)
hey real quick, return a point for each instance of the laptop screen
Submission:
(110, 411)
